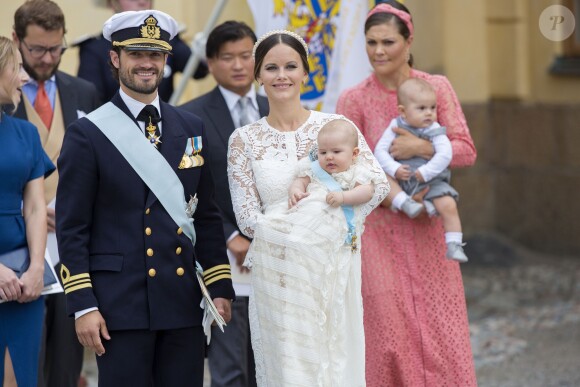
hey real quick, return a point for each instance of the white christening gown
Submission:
(305, 306)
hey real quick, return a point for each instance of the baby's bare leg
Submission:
(395, 189)
(447, 208)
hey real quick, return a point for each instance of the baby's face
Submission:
(335, 152)
(421, 110)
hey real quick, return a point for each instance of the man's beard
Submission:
(128, 79)
(36, 76)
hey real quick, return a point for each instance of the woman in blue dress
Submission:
(23, 165)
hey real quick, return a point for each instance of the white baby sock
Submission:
(456, 237)
(399, 199)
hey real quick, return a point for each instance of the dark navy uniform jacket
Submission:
(120, 249)
(94, 66)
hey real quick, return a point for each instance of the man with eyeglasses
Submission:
(52, 100)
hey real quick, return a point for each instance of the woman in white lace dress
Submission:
(297, 340)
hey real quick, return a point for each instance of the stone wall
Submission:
(527, 176)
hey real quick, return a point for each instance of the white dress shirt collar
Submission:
(135, 106)
(232, 98)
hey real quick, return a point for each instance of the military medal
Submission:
(200, 160)
(186, 159)
(193, 160)
(151, 136)
(185, 162)
(192, 157)
(197, 146)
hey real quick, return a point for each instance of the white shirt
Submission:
(135, 107)
(440, 160)
(232, 99)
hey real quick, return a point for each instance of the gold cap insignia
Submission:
(150, 29)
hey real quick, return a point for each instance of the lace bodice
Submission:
(262, 162)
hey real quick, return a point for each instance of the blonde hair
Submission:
(8, 58)
(340, 126)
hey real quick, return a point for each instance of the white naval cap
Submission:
(148, 30)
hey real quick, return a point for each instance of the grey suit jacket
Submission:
(214, 112)
(75, 94)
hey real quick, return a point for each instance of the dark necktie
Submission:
(151, 117)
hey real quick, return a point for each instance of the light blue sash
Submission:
(333, 186)
(149, 164)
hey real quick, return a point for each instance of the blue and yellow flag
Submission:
(334, 31)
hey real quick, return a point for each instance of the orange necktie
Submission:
(42, 105)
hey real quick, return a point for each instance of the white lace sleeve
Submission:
(368, 160)
(245, 198)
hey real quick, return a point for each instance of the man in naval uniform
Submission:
(129, 267)
(94, 57)
(51, 100)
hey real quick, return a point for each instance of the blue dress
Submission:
(22, 159)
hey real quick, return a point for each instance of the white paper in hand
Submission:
(210, 312)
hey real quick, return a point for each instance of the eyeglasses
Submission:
(38, 52)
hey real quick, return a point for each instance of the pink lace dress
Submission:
(415, 317)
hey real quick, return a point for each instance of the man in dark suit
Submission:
(233, 103)
(52, 100)
(128, 263)
(94, 57)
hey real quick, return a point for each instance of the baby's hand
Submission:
(419, 177)
(335, 199)
(295, 196)
(403, 173)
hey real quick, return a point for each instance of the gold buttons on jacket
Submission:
(147, 211)
(152, 272)
(178, 250)
(180, 271)
(148, 231)
(179, 231)
(150, 252)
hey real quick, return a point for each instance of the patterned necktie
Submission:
(42, 105)
(151, 117)
(245, 118)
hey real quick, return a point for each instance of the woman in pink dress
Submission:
(415, 317)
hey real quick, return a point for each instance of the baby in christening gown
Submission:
(315, 239)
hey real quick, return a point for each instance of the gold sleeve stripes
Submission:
(74, 282)
(216, 273)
